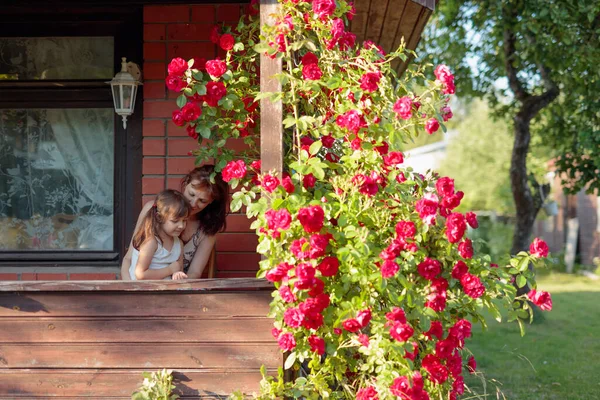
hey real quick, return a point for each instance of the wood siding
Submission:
(94, 339)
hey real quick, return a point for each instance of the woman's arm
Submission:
(142, 270)
(127, 259)
(201, 257)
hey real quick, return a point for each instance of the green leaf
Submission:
(236, 204)
(200, 89)
(203, 131)
(290, 360)
(521, 281)
(315, 147)
(197, 75)
(227, 76)
(239, 46)
(181, 101)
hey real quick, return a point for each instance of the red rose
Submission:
(401, 387)
(214, 34)
(541, 299)
(328, 141)
(444, 76)
(309, 181)
(312, 72)
(351, 325)
(406, 229)
(298, 248)
(389, 268)
(175, 83)
(459, 269)
(465, 248)
(214, 92)
(226, 42)
(445, 186)
(309, 58)
(383, 149)
(234, 170)
(444, 348)
(329, 266)
(427, 208)
(178, 119)
(216, 68)
(429, 268)
(287, 342)
(369, 82)
(288, 185)
(471, 364)
(396, 315)
(316, 288)
(305, 272)
(317, 344)
(435, 329)
(431, 126)
(293, 317)
(446, 113)
(436, 301)
(323, 8)
(538, 248)
(363, 317)
(368, 393)
(191, 131)
(461, 330)
(311, 218)
(472, 220)
(458, 385)
(351, 120)
(286, 294)
(437, 372)
(275, 332)
(191, 112)
(347, 41)
(177, 66)
(401, 332)
(363, 339)
(270, 183)
(472, 286)
(403, 107)
(279, 219)
(393, 159)
(455, 227)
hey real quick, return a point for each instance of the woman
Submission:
(208, 212)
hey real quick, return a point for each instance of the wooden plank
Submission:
(192, 285)
(426, 3)
(377, 14)
(391, 23)
(140, 330)
(36, 384)
(118, 304)
(271, 114)
(147, 356)
(358, 25)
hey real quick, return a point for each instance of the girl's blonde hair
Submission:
(169, 204)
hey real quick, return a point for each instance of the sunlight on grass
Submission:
(557, 357)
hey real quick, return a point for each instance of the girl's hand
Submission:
(179, 275)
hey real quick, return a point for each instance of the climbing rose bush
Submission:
(377, 286)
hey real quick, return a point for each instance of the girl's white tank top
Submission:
(162, 257)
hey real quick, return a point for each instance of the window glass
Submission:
(56, 179)
(56, 58)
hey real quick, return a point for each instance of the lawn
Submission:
(558, 358)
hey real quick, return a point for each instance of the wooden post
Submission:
(271, 128)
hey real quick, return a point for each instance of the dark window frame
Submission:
(125, 24)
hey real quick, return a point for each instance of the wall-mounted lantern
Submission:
(124, 88)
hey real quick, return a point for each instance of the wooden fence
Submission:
(94, 339)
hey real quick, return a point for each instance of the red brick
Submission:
(180, 165)
(171, 95)
(153, 127)
(228, 13)
(203, 13)
(237, 145)
(174, 130)
(153, 166)
(93, 277)
(28, 276)
(159, 109)
(189, 31)
(181, 147)
(166, 14)
(238, 261)
(148, 197)
(187, 50)
(9, 277)
(51, 277)
(152, 185)
(155, 90)
(155, 32)
(238, 223)
(155, 51)
(155, 70)
(237, 242)
(174, 182)
(153, 147)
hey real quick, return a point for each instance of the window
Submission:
(63, 193)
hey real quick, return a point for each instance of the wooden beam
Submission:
(271, 114)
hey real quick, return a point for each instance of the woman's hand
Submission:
(179, 275)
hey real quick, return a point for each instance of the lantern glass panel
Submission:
(117, 96)
(127, 96)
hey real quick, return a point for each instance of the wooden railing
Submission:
(93, 339)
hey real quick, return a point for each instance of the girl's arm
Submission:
(179, 274)
(142, 271)
(201, 257)
(127, 259)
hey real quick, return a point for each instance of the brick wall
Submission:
(183, 31)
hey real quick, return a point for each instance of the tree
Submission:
(537, 62)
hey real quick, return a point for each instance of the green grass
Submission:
(558, 358)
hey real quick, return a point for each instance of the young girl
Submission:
(157, 250)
